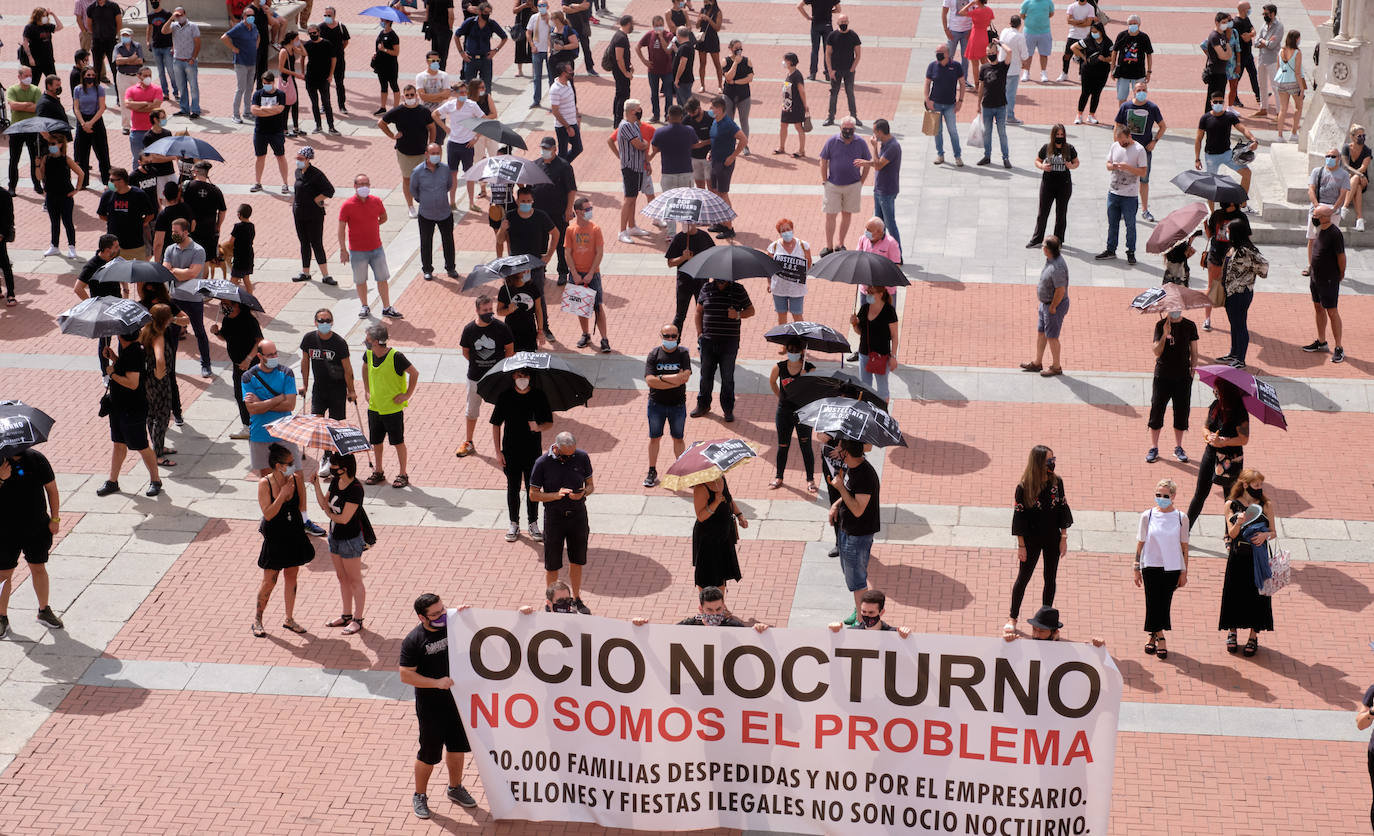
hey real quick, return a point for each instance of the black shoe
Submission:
(1032, 244)
(652, 478)
(48, 617)
(1225, 359)
(379, 111)
(696, 412)
(451, 273)
(726, 235)
(392, 313)
(195, 116)
(460, 796)
(717, 228)
(1130, 256)
(1338, 356)
(154, 488)
(1006, 163)
(181, 113)
(301, 277)
(4, 626)
(858, 123)
(835, 551)
(985, 161)
(826, 251)
(548, 335)
(811, 77)
(562, 280)
(1105, 254)
(581, 607)
(605, 346)
(331, 281)
(107, 488)
(829, 120)
(1315, 346)
(729, 417)
(429, 277)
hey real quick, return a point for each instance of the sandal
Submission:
(1031, 367)
(1150, 645)
(376, 478)
(1163, 651)
(1051, 371)
(1251, 647)
(775, 484)
(258, 629)
(10, 301)
(402, 481)
(291, 625)
(356, 626)
(811, 486)
(341, 621)
(797, 155)
(166, 462)
(1231, 645)
(779, 151)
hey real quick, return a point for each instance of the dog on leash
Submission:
(226, 257)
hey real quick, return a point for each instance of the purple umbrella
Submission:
(1261, 401)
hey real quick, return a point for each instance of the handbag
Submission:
(106, 404)
(875, 363)
(369, 533)
(1216, 293)
(1280, 572)
(579, 300)
(806, 125)
(930, 123)
(289, 95)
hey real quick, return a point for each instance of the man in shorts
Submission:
(389, 382)
(424, 666)
(360, 230)
(666, 372)
(628, 144)
(268, 107)
(1328, 270)
(485, 342)
(727, 143)
(1215, 127)
(128, 412)
(28, 513)
(562, 480)
(843, 182)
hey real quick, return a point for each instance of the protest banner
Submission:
(575, 718)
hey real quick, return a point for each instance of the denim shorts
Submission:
(788, 304)
(352, 547)
(674, 415)
(360, 261)
(855, 550)
(1212, 163)
(1050, 323)
(1042, 42)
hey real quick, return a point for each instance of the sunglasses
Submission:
(323, 321)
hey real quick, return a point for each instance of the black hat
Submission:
(1046, 618)
(548, 142)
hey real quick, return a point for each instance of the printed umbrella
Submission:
(494, 129)
(500, 269)
(858, 420)
(103, 316)
(39, 125)
(1176, 226)
(815, 336)
(551, 375)
(1217, 188)
(315, 431)
(135, 271)
(1261, 401)
(689, 205)
(704, 461)
(21, 427)
(505, 168)
(813, 387)
(390, 13)
(185, 146)
(228, 291)
(1170, 297)
(730, 264)
(855, 267)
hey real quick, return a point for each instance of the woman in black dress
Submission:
(783, 374)
(524, 10)
(285, 545)
(158, 380)
(709, 22)
(1242, 606)
(1040, 522)
(714, 536)
(1228, 430)
(794, 109)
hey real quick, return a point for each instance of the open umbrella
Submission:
(500, 269)
(390, 13)
(494, 129)
(103, 316)
(39, 125)
(318, 432)
(1217, 188)
(506, 168)
(1261, 401)
(1175, 226)
(704, 461)
(815, 336)
(564, 387)
(21, 427)
(730, 264)
(689, 205)
(807, 388)
(134, 271)
(228, 291)
(185, 146)
(858, 420)
(1170, 297)
(855, 267)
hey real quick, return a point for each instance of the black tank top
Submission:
(785, 376)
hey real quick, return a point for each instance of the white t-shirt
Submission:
(957, 23)
(1163, 534)
(563, 100)
(426, 83)
(539, 34)
(784, 282)
(453, 115)
(1080, 14)
(1124, 183)
(1014, 42)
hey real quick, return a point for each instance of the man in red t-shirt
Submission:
(360, 230)
(141, 99)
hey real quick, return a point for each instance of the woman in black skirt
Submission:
(714, 535)
(285, 545)
(1242, 605)
(1228, 431)
(1161, 562)
(524, 10)
(1040, 522)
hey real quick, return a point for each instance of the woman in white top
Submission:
(788, 283)
(1161, 562)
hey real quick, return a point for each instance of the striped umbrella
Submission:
(688, 205)
(307, 431)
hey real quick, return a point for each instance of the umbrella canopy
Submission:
(564, 387)
(507, 169)
(501, 268)
(1170, 297)
(705, 461)
(103, 316)
(858, 420)
(385, 13)
(688, 205)
(318, 432)
(730, 264)
(855, 267)
(1175, 226)
(21, 427)
(494, 129)
(815, 336)
(134, 271)
(1261, 401)
(39, 125)
(228, 291)
(1217, 188)
(185, 146)
(813, 387)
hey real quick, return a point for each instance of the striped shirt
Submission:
(631, 158)
(716, 323)
(563, 101)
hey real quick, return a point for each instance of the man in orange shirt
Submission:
(585, 247)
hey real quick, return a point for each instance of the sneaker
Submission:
(335, 132)
(181, 113)
(1078, 120)
(536, 534)
(651, 479)
(985, 161)
(285, 189)
(605, 346)
(381, 111)
(392, 313)
(256, 187)
(1237, 364)
(205, 370)
(858, 123)
(1225, 359)
(852, 619)
(1012, 120)
(331, 281)
(1152, 455)
(179, 420)
(1044, 79)
(834, 551)
(726, 235)
(959, 162)
(1025, 75)
(1249, 210)
(548, 335)
(107, 488)
(48, 617)
(1315, 346)
(1032, 244)
(461, 797)
(729, 417)
(452, 273)
(637, 231)
(301, 277)
(829, 120)
(71, 251)
(584, 340)
(1105, 254)
(1146, 216)
(240, 434)
(4, 626)
(825, 251)
(513, 533)
(581, 607)
(1092, 120)
(1006, 163)
(1130, 256)
(51, 251)
(154, 488)
(1207, 324)
(429, 277)
(467, 448)
(625, 238)
(940, 159)
(1180, 455)
(1062, 77)
(419, 802)
(343, 112)
(313, 529)
(1338, 356)
(364, 312)
(1359, 224)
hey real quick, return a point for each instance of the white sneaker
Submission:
(364, 312)
(535, 534)
(71, 252)
(1044, 79)
(1340, 214)
(1359, 224)
(624, 237)
(642, 233)
(413, 212)
(1025, 75)
(51, 251)
(1281, 139)
(513, 533)
(1092, 120)
(1063, 77)
(1078, 120)
(240, 434)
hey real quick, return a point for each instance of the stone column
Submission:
(212, 16)
(1345, 80)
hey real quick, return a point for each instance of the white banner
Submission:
(577, 718)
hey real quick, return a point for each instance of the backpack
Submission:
(608, 58)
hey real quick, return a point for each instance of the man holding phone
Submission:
(562, 480)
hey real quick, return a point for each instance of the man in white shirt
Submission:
(563, 106)
(432, 88)
(538, 30)
(1014, 42)
(1126, 162)
(462, 139)
(1081, 14)
(957, 29)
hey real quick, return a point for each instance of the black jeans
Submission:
(96, 140)
(718, 355)
(1068, 55)
(427, 227)
(318, 89)
(339, 70)
(687, 290)
(1035, 547)
(1093, 78)
(1247, 64)
(7, 268)
(1238, 316)
(18, 142)
(1216, 86)
(310, 232)
(102, 58)
(561, 224)
(60, 208)
(440, 38)
(622, 92)
(585, 38)
(195, 311)
(518, 466)
(786, 420)
(845, 77)
(1055, 192)
(238, 393)
(818, 34)
(1206, 469)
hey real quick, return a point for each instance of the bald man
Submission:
(876, 240)
(562, 480)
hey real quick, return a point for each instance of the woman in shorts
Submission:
(343, 505)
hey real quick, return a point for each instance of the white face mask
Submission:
(410, 101)
(362, 191)
(546, 153)
(522, 383)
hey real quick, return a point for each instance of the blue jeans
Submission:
(136, 148)
(873, 380)
(480, 68)
(855, 550)
(569, 146)
(951, 126)
(187, 78)
(660, 85)
(1238, 313)
(684, 92)
(1013, 81)
(539, 60)
(1118, 209)
(163, 54)
(718, 355)
(998, 115)
(959, 40)
(884, 206)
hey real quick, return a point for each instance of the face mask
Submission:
(314, 36)
(546, 153)
(1049, 465)
(844, 27)
(440, 621)
(53, 149)
(1140, 98)
(870, 621)
(462, 100)
(1268, 18)
(522, 383)
(434, 65)
(658, 30)
(794, 356)
(587, 215)
(1133, 28)
(1330, 162)
(670, 345)
(562, 605)
(410, 101)
(1097, 36)
(1163, 502)
(486, 317)
(436, 158)
(248, 19)
(125, 39)
(847, 133)
(300, 165)
(1175, 316)
(1217, 107)
(940, 59)
(362, 191)
(525, 208)
(1225, 26)
(328, 20)
(713, 619)
(1059, 140)
(1316, 221)
(1257, 493)
(869, 235)
(58, 91)
(788, 235)
(324, 328)
(269, 363)
(144, 82)
(870, 298)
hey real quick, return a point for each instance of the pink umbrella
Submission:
(1170, 297)
(1175, 226)
(1261, 401)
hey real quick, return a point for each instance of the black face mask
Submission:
(486, 317)
(562, 605)
(1316, 221)
(1049, 465)
(844, 27)
(847, 133)
(1257, 493)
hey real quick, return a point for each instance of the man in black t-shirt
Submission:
(992, 102)
(107, 250)
(524, 413)
(173, 208)
(622, 68)
(521, 303)
(206, 204)
(699, 121)
(555, 198)
(1327, 271)
(1175, 348)
(485, 342)
(1217, 48)
(562, 478)
(1215, 127)
(325, 355)
(413, 132)
(529, 231)
(820, 17)
(842, 53)
(1245, 56)
(666, 372)
(684, 55)
(269, 130)
(320, 59)
(691, 241)
(337, 35)
(424, 666)
(29, 507)
(125, 211)
(128, 413)
(856, 511)
(241, 334)
(721, 306)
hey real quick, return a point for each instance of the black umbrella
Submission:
(730, 264)
(501, 268)
(493, 129)
(185, 147)
(227, 291)
(855, 267)
(813, 387)
(39, 125)
(858, 420)
(21, 427)
(1217, 188)
(815, 336)
(134, 271)
(551, 375)
(103, 316)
